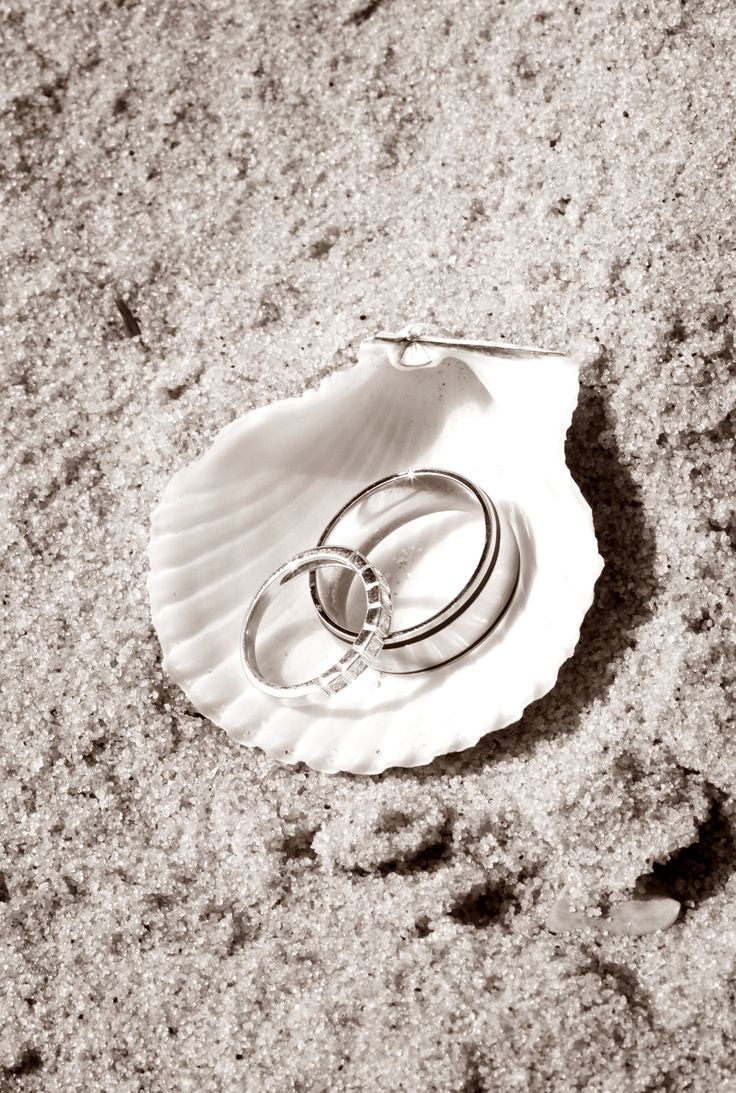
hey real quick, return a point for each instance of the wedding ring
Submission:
(364, 646)
(470, 615)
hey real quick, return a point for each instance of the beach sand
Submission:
(207, 206)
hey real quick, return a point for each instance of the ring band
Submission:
(365, 646)
(468, 617)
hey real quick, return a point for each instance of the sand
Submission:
(206, 206)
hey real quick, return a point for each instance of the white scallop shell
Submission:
(272, 480)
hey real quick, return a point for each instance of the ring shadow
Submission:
(622, 600)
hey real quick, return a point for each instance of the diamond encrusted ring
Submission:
(365, 647)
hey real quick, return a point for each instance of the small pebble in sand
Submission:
(643, 914)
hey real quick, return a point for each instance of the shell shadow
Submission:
(622, 602)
